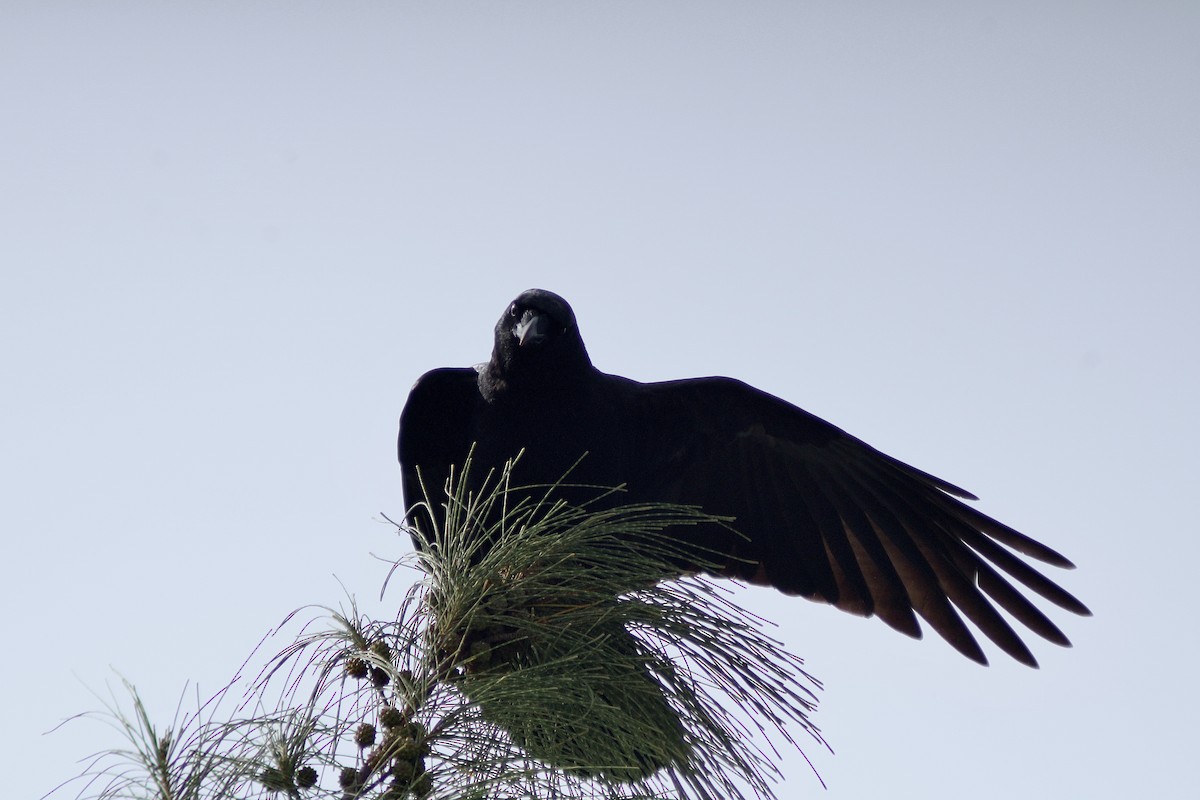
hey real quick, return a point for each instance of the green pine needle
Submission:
(547, 651)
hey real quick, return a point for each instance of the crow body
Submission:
(820, 513)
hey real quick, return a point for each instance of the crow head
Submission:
(537, 344)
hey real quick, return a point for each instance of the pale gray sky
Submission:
(233, 234)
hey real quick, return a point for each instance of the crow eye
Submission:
(513, 311)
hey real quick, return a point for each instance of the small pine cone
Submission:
(391, 717)
(273, 779)
(357, 668)
(374, 759)
(348, 778)
(381, 649)
(407, 749)
(423, 785)
(306, 777)
(379, 677)
(364, 736)
(403, 771)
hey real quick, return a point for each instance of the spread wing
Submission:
(436, 431)
(831, 518)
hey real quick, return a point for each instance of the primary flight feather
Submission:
(818, 513)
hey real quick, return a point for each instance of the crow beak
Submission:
(533, 328)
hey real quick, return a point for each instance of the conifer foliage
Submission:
(539, 654)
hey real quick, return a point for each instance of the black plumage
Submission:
(822, 514)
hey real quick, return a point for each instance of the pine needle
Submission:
(547, 651)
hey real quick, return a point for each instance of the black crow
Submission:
(821, 514)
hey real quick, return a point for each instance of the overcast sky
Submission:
(233, 235)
